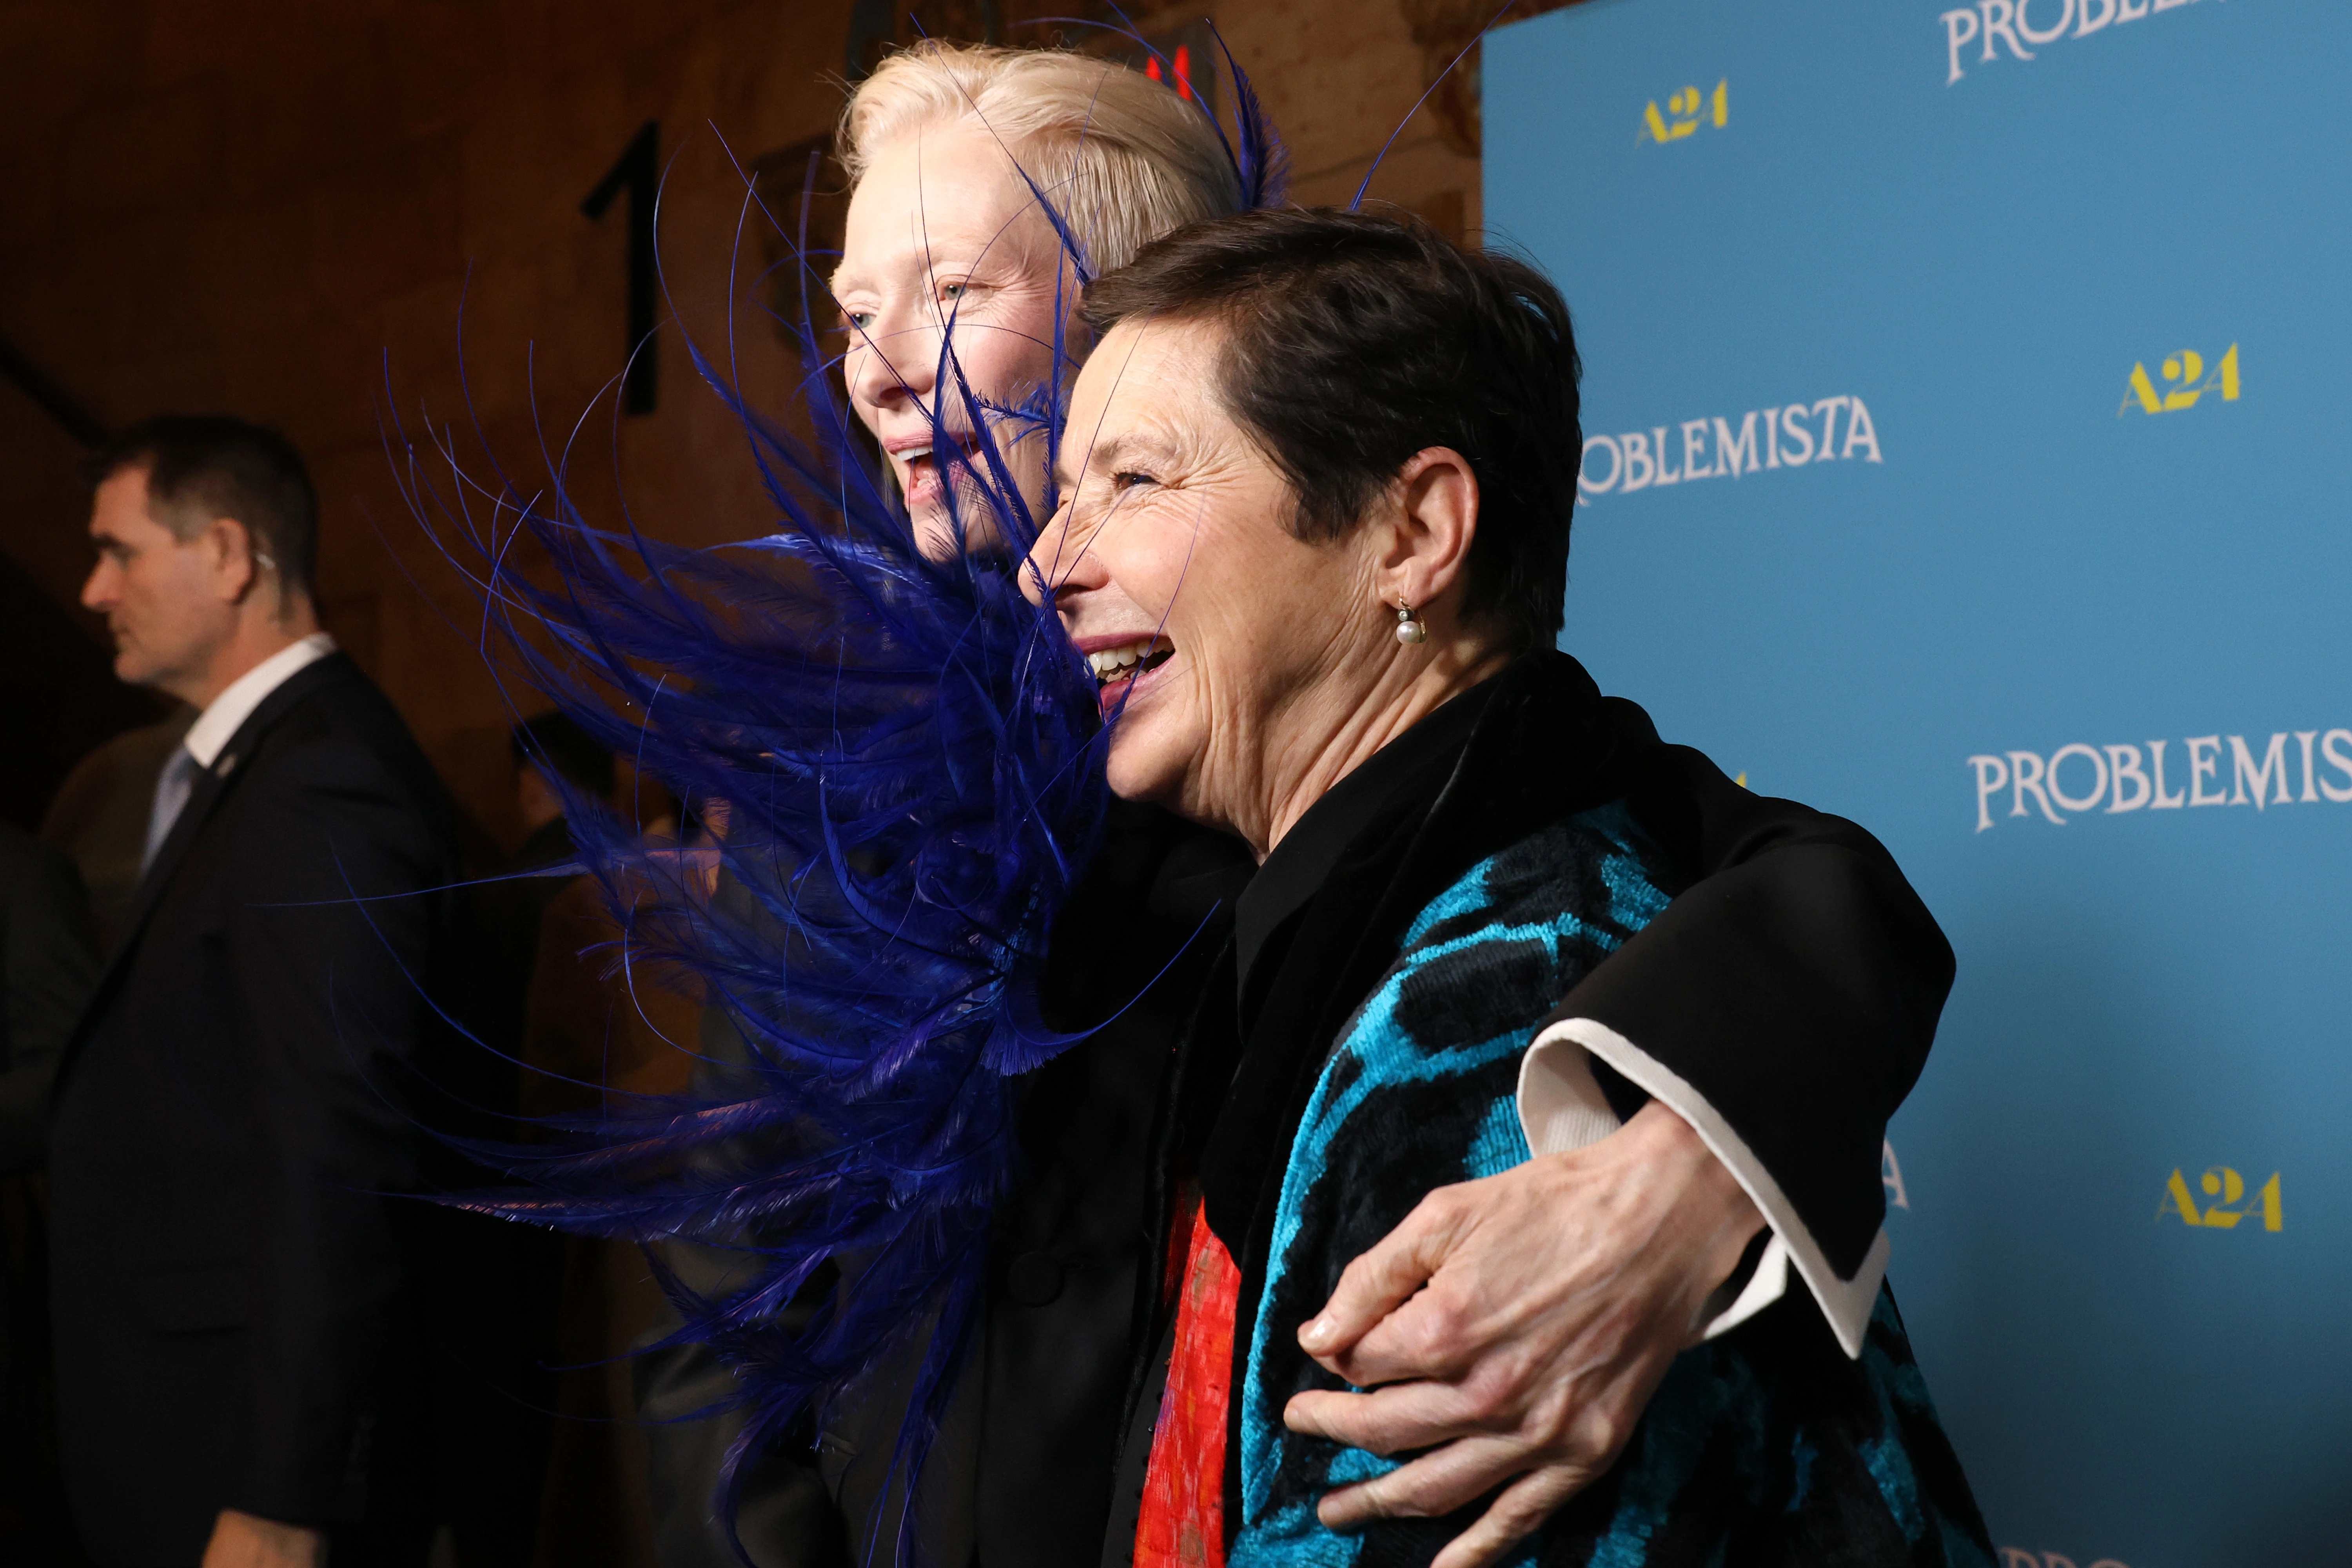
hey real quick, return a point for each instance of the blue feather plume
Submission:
(907, 756)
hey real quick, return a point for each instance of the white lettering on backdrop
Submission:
(1829, 430)
(2010, 24)
(2292, 767)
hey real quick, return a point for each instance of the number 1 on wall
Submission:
(638, 171)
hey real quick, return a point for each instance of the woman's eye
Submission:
(1127, 479)
(859, 320)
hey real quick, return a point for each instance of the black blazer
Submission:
(237, 1320)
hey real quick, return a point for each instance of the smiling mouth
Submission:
(924, 482)
(1115, 666)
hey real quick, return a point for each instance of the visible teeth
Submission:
(916, 454)
(1110, 663)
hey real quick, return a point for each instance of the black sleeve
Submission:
(48, 964)
(784, 1515)
(1795, 984)
(331, 937)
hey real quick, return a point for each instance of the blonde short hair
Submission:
(1121, 158)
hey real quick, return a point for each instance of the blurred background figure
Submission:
(511, 906)
(99, 816)
(601, 1027)
(584, 1029)
(49, 962)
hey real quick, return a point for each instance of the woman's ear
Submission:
(1435, 522)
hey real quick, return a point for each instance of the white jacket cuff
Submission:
(1561, 1108)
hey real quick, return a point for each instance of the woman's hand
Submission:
(1523, 1321)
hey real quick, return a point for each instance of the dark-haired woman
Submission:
(1798, 924)
(1314, 539)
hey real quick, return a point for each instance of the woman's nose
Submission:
(1059, 563)
(889, 363)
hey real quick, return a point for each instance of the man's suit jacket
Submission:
(236, 1311)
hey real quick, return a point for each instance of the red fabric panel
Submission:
(1183, 1519)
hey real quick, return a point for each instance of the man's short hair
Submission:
(203, 466)
(555, 739)
(1354, 341)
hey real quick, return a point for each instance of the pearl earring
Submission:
(1409, 631)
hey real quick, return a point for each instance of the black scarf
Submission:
(1321, 921)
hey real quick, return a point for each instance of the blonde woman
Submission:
(1516, 1327)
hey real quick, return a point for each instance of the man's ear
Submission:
(1435, 522)
(229, 553)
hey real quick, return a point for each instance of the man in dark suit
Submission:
(238, 1328)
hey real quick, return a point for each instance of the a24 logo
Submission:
(1689, 109)
(2185, 381)
(2228, 1190)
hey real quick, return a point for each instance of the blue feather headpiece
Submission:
(906, 757)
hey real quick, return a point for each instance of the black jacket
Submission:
(1801, 920)
(48, 962)
(1021, 1471)
(235, 1291)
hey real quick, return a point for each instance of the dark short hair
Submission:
(1355, 341)
(201, 466)
(555, 739)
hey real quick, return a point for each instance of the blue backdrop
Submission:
(1967, 394)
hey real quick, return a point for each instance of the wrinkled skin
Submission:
(1280, 669)
(1523, 1321)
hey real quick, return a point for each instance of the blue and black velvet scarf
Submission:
(1394, 957)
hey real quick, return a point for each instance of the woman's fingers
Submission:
(1435, 1484)
(1516, 1327)
(1380, 1281)
(1387, 1420)
(1514, 1516)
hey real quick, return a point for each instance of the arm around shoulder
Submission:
(1783, 1004)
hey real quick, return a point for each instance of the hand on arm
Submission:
(243, 1541)
(1519, 1325)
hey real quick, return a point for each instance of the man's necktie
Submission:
(172, 787)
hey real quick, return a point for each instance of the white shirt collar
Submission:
(219, 723)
